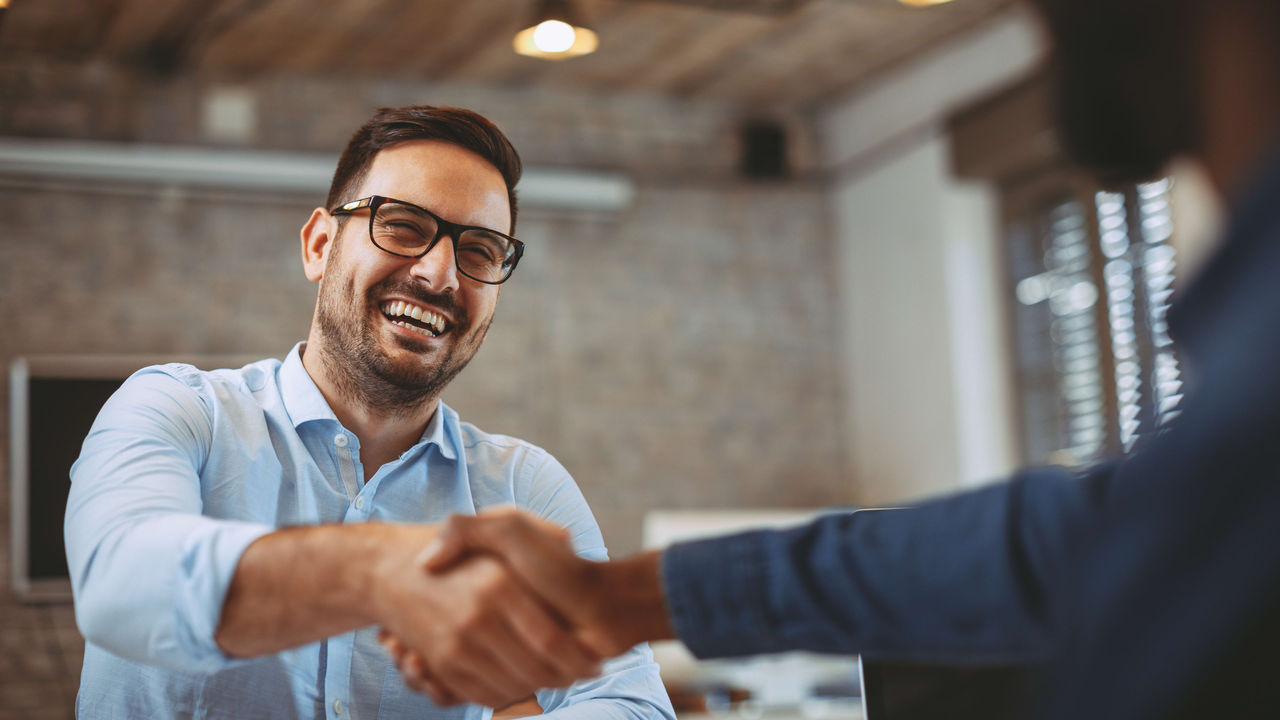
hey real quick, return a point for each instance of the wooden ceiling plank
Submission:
(265, 40)
(133, 26)
(245, 44)
(491, 58)
(65, 29)
(817, 55)
(815, 52)
(335, 36)
(463, 33)
(899, 45)
(177, 45)
(306, 45)
(788, 67)
(701, 46)
(380, 40)
(751, 59)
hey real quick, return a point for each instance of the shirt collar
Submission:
(302, 399)
(443, 431)
(305, 403)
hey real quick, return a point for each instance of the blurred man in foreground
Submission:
(1147, 587)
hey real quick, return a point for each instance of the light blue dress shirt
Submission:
(184, 468)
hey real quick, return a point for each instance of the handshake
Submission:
(510, 608)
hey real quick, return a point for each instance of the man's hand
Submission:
(477, 633)
(610, 606)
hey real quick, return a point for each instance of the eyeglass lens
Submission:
(404, 230)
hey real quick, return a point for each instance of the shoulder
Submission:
(183, 392)
(492, 448)
(534, 480)
(525, 471)
(209, 385)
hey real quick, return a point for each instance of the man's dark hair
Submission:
(391, 126)
(1126, 97)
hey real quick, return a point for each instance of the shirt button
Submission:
(360, 503)
(337, 706)
(340, 440)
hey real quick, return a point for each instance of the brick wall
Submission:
(680, 353)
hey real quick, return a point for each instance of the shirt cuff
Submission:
(716, 594)
(206, 567)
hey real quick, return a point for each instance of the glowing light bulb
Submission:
(553, 36)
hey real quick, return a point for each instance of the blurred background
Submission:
(782, 254)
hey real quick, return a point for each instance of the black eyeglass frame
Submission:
(443, 227)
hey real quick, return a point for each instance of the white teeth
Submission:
(415, 328)
(398, 308)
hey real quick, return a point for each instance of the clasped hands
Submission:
(514, 610)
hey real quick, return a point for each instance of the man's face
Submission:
(1123, 71)
(374, 306)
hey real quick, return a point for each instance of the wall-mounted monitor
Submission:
(53, 401)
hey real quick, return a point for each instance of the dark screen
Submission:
(60, 412)
(902, 691)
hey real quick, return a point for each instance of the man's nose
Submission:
(439, 267)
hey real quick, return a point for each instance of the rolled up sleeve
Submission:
(148, 571)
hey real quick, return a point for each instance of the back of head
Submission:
(1124, 99)
(392, 126)
(1129, 77)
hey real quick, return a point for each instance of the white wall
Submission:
(927, 366)
(926, 362)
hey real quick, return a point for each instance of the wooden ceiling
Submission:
(765, 53)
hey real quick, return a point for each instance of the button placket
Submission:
(347, 466)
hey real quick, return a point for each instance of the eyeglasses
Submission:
(407, 230)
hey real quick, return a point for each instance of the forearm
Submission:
(301, 585)
(965, 577)
(632, 599)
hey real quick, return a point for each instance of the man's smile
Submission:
(416, 318)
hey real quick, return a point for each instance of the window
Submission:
(1091, 274)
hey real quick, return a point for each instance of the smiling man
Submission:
(237, 537)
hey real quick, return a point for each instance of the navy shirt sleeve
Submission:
(958, 579)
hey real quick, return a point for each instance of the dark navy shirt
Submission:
(1147, 587)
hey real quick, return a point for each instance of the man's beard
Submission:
(359, 367)
(1124, 83)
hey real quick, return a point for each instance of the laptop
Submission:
(907, 691)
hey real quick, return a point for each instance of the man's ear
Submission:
(317, 238)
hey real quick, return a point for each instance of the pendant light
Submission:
(556, 33)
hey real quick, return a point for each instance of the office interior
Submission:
(783, 255)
